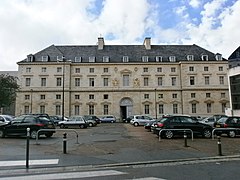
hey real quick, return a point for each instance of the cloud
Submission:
(195, 3)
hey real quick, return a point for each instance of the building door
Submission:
(126, 107)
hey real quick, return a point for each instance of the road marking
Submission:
(31, 162)
(68, 175)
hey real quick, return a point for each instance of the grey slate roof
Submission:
(234, 58)
(116, 52)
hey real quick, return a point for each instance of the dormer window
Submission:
(172, 59)
(78, 59)
(145, 59)
(30, 58)
(218, 57)
(190, 57)
(204, 57)
(44, 58)
(105, 58)
(125, 58)
(158, 58)
(59, 58)
(92, 59)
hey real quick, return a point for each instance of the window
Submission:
(160, 96)
(161, 109)
(77, 110)
(105, 109)
(220, 68)
(78, 59)
(91, 96)
(193, 95)
(204, 57)
(218, 57)
(221, 79)
(208, 95)
(91, 109)
(91, 70)
(160, 81)
(173, 69)
(158, 58)
(105, 96)
(145, 81)
(77, 70)
(192, 80)
(27, 82)
(159, 69)
(172, 59)
(146, 96)
(223, 95)
(105, 70)
(42, 96)
(191, 68)
(209, 107)
(91, 59)
(190, 57)
(194, 108)
(125, 58)
(146, 109)
(58, 96)
(205, 68)
(105, 81)
(125, 80)
(43, 81)
(28, 69)
(207, 80)
(223, 107)
(105, 59)
(59, 81)
(59, 69)
(145, 59)
(174, 96)
(44, 58)
(27, 97)
(77, 82)
(174, 81)
(91, 82)
(145, 69)
(44, 69)
(26, 109)
(42, 109)
(58, 110)
(175, 109)
(60, 58)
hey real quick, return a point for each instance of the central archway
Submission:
(126, 107)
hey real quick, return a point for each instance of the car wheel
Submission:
(33, 134)
(169, 134)
(231, 134)
(112, 121)
(2, 134)
(48, 135)
(62, 126)
(135, 124)
(90, 124)
(207, 133)
(81, 126)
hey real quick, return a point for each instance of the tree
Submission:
(8, 88)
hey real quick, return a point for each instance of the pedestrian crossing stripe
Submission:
(31, 162)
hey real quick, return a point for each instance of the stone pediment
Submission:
(125, 71)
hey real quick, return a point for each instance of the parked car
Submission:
(92, 117)
(228, 122)
(182, 122)
(56, 119)
(74, 121)
(18, 126)
(209, 120)
(5, 119)
(149, 124)
(140, 120)
(109, 118)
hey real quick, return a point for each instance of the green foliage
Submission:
(8, 88)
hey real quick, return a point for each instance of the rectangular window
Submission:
(220, 68)
(205, 68)
(158, 58)
(91, 96)
(145, 69)
(58, 96)
(44, 69)
(91, 109)
(190, 57)
(78, 59)
(144, 58)
(42, 109)
(205, 57)
(159, 69)
(174, 81)
(43, 82)
(223, 95)
(27, 97)
(105, 58)
(146, 96)
(44, 58)
(193, 95)
(191, 68)
(91, 82)
(174, 95)
(77, 82)
(105, 81)
(208, 95)
(77, 110)
(125, 58)
(173, 69)
(207, 81)
(91, 70)
(218, 57)
(146, 109)
(42, 96)
(145, 81)
(192, 80)
(105, 96)
(28, 69)
(59, 81)
(221, 79)
(194, 108)
(58, 110)
(77, 70)
(105, 109)
(160, 81)
(160, 96)
(125, 80)
(77, 96)
(172, 59)
(92, 59)
(223, 107)
(27, 82)
(59, 69)
(209, 107)
(161, 109)
(26, 109)
(175, 109)
(105, 70)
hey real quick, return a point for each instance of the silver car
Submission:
(140, 120)
(5, 119)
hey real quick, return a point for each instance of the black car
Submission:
(92, 117)
(231, 124)
(181, 122)
(18, 127)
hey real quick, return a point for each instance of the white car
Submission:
(5, 119)
(140, 120)
(74, 121)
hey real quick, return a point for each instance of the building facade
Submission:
(123, 80)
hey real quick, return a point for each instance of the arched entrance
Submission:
(126, 107)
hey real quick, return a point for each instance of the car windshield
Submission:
(222, 120)
(163, 120)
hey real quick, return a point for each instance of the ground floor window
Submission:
(175, 109)
(209, 107)
(105, 109)
(58, 110)
(223, 107)
(194, 108)
(146, 109)
(76, 110)
(161, 109)
(42, 109)
(26, 109)
(91, 109)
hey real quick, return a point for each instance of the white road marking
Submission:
(31, 162)
(68, 175)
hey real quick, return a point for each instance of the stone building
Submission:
(123, 80)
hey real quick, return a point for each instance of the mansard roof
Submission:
(115, 53)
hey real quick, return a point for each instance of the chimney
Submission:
(147, 43)
(100, 43)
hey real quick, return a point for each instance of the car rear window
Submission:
(222, 120)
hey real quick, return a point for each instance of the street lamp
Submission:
(155, 102)
(31, 100)
(63, 84)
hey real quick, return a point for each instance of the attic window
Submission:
(105, 58)
(78, 59)
(218, 57)
(125, 59)
(30, 58)
(92, 59)
(158, 58)
(59, 58)
(204, 57)
(172, 58)
(145, 59)
(44, 58)
(190, 57)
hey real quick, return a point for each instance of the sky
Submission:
(28, 26)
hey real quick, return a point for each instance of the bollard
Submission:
(64, 143)
(185, 139)
(27, 148)
(219, 146)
